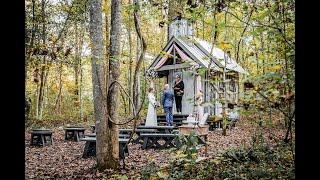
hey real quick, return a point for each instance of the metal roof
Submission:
(199, 50)
(220, 55)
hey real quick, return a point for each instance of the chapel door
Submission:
(189, 92)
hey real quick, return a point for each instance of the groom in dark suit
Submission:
(167, 103)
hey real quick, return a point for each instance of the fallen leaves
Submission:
(63, 159)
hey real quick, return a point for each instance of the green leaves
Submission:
(123, 177)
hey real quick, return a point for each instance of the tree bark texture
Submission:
(107, 136)
(114, 73)
(141, 57)
(43, 66)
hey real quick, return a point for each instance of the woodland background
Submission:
(259, 34)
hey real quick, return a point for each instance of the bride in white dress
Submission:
(151, 119)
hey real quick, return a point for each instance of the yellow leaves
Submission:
(180, 154)
(276, 67)
(225, 45)
(220, 15)
(55, 88)
(216, 161)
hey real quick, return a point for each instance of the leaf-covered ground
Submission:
(63, 160)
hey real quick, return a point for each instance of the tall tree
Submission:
(136, 77)
(114, 73)
(107, 135)
(43, 75)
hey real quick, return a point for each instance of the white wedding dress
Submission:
(151, 119)
(200, 109)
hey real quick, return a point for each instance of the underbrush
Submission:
(259, 161)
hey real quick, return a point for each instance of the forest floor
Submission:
(63, 160)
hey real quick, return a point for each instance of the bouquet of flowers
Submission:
(157, 104)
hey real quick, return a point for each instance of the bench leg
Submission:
(77, 136)
(81, 134)
(121, 152)
(89, 150)
(45, 139)
(92, 149)
(42, 140)
(38, 140)
(51, 140)
(35, 140)
(145, 142)
(31, 141)
(85, 150)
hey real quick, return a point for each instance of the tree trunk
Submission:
(80, 92)
(242, 34)
(36, 100)
(43, 66)
(77, 57)
(107, 133)
(43, 80)
(262, 46)
(32, 33)
(58, 100)
(80, 76)
(136, 78)
(107, 46)
(78, 68)
(130, 66)
(114, 73)
(224, 106)
(135, 85)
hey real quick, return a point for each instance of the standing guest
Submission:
(199, 101)
(167, 103)
(151, 119)
(178, 92)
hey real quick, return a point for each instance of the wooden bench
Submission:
(39, 137)
(152, 140)
(124, 136)
(74, 133)
(90, 147)
(90, 135)
(150, 130)
(159, 129)
(217, 123)
(138, 139)
(125, 131)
